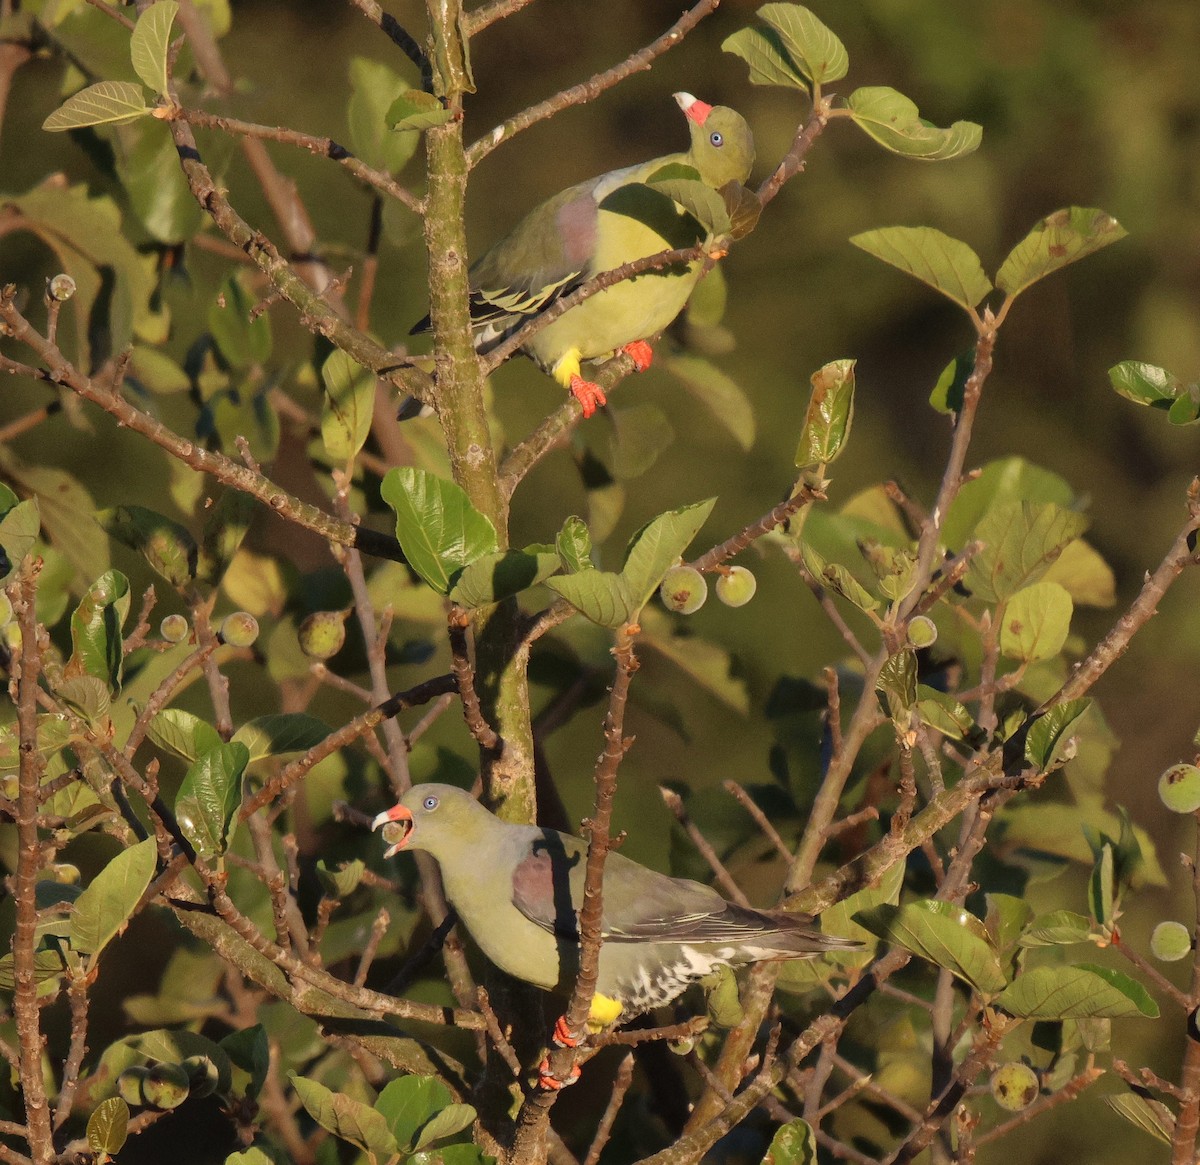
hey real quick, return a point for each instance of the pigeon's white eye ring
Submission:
(430, 803)
(716, 139)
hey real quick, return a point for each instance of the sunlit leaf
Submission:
(819, 54)
(415, 110)
(894, 122)
(829, 414)
(108, 1126)
(1050, 733)
(945, 264)
(1059, 239)
(794, 1142)
(103, 909)
(105, 103)
(347, 406)
(763, 50)
(1021, 541)
(209, 797)
(1036, 622)
(1081, 991)
(345, 1117)
(658, 546)
(150, 42)
(1143, 1112)
(374, 89)
(281, 732)
(506, 572)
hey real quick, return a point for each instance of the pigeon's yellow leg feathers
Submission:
(566, 368)
(604, 1011)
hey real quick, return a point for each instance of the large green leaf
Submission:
(944, 933)
(158, 194)
(445, 1123)
(1077, 992)
(946, 264)
(1059, 239)
(682, 185)
(895, 123)
(438, 528)
(96, 642)
(346, 407)
(1151, 1116)
(657, 547)
(408, 1103)
(18, 532)
(150, 42)
(1021, 541)
(209, 797)
(183, 733)
(374, 88)
(281, 732)
(1036, 622)
(707, 664)
(347, 1118)
(105, 103)
(820, 56)
(166, 545)
(764, 51)
(104, 908)
(600, 595)
(1058, 928)
(243, 341)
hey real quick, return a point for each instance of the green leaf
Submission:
(1059, 239)
(349, 1119)
(793, 1143)
(158, 193)
(837, 578)
(438, 529)
(945, 934)
(150, 42)
(839, 918)
(96, 643)
(829, 414)
(1100, 887)
(250, 1051)
(1036, 622)
(209, 797)
(450, 1120)
(893, 121)
(574, 545)
(47, 967)
(1007, 917)
(945, 264)
(156, 372)
(947, 395)
(108, 1126)
(182, 733)
(281, 732)
(1145, 384)
(897, 680)
(1084, 575)
(225, 528)
(1143, 1112)
(1021, 541)
(506, 572)
(682, 185)
(18, 532)
(719, 393)
(943, 713)
(374, 88)
(107, 904)
(343, 881)
(1050, 733)
(600, 595)
(346, 407)
(242, 341)
(415, 110)
(409, 1102)
(251, 1156)
(763, 50)
(88, 695)
(1058, 928)
(1186, 409)
(174, 1045)
(707, 664)
(657, 547)
(640, 434)
(1078, 992)
(819, 54)
(167, 546)
(105, 103)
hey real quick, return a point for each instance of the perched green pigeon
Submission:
(517, 889)
(593, 227)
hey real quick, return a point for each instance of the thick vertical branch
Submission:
(29, 862)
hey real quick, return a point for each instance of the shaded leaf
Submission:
(699, 199)
(574, 545)
(250, 1051)
(105, 103)
(897, 680)
(374, 89)
(166, 545)
(103, 909)
(658, 546)
(1143, 1112)
(1050, 733)
(763, 50)
(1076, 992)
(707, 664)
(243, 341)
(945, 264)
(1059, 239)
(837, 578)
(281, 732)
(719, 393)
(18, 532)
(1058, 928)
(415, 110)
(347, 406)
(1036, 622)
(893, 121)
(438, 528)
(947, 394)
(943, 713)
(349, 1119)
(445, 1123)
(149, 43)
(96, 643)
(209, 797)
(945, 934)
(599, 595)
(640, 434)
(793, 1143)
(506, 572)
(409, 1102)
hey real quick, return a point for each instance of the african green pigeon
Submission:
(593, 227)
(517, 888)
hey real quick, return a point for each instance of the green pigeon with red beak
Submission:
(518, 889)
(597, 226)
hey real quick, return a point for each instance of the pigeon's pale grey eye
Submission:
(716, 139)
(430, 802)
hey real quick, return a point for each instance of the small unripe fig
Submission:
(203, 1075)
(736, 586)
(165, 1086)
(683, 589)
(1170, 941)
(1179, 788)
(61, 287)
(10, 786)
(65, 874)
(681, 1046)
(922, 631)
(322, 634)
(174, 628)
(129, 1086)
(239, 629)
(1014, 1086)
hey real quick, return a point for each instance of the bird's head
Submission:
(722, 147)
(429, 815)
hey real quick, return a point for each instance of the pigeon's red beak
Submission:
(693, 107)
(397, 825)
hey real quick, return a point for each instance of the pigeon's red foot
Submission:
(551, 1082)
(589, 395)
(562, 1034)
(641, 353)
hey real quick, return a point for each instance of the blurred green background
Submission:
(1086, 102)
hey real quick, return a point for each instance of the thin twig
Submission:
(674, 802)
(760, 818)
(616, 1098)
